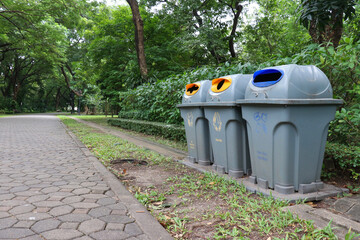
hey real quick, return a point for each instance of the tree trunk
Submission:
(332, 32)
(239, 8)
(67, 80)
(139, 37)
(212, 51)
(58, 95)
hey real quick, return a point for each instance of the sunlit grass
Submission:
(102, 120)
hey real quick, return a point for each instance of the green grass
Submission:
(239, 214)
(102, 120)
(108, 147)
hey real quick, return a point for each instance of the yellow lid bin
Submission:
(192, 88)
(196, 125)
(227, 128)
(221, 84)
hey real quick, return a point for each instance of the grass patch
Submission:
(193, 205)
(102, 120)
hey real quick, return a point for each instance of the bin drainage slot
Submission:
(267, 77)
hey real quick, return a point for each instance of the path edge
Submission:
(150, 226)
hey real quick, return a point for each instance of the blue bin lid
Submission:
(289, 82)
(267, 77)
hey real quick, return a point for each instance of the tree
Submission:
(273, 32)
(236, 9)
(139, 37)
(324, 18)
(34, 38)
(204, 25)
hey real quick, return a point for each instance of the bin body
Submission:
(288, 109)
(227, 128)
(196, 125)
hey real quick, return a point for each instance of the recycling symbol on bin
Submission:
(190, 119)
(217, 122)
(260, 119)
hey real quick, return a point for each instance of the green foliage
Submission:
(351, 235)
(169, 131)
(346, 158)
(273, 33)
(345, 128)
(352, 26)
(202, 31)
(34, 41)
(157, 101)
(321, 12)
(342, 68)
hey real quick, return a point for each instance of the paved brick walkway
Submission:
(50, 189)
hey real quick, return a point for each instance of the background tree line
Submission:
(53, 52)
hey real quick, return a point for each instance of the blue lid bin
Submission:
(287, 111)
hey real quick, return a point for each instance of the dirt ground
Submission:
(142, 177)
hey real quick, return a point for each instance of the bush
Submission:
(133, 115)
(157, 100)
(345, 158)
(345, 128)
(169, 131)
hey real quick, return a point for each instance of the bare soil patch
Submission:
(196, 214)
(142, 178)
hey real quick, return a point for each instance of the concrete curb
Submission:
(150, 226)
(327, 191)
(322, 217)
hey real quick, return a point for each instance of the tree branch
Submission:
(67, 81)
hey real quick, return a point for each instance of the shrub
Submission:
(169, 131)
(345, 158)
(345, 128)
(133, 115)
(157, 100)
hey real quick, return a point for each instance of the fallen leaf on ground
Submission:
(311, 204)
(158, 203)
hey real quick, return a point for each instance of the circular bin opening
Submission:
(192, 88)
(267, 77)
(221, 84)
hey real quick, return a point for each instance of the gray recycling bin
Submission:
(288, 109)
(227, 128)
(196, 125)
